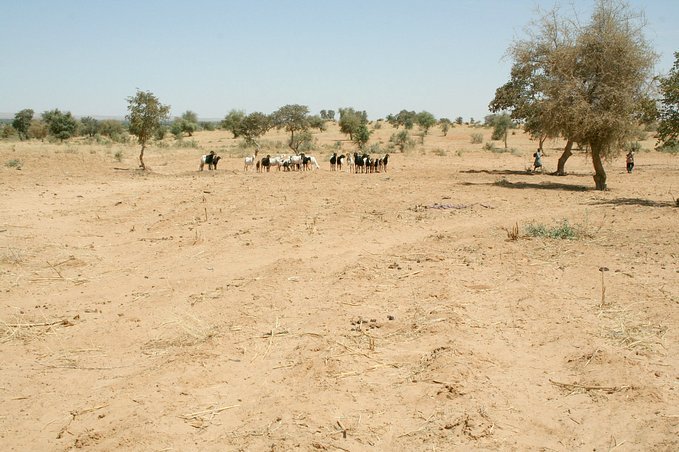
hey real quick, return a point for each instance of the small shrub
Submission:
(477, 138)
(564, 230)
(489, 146)
(440, 152)
(14, 163)
(118, 155)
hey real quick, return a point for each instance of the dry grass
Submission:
(184, 330)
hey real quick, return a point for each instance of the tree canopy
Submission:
(232, 120)
(22, 122)
(586, 83)
(253, 126)
(294, 118)
(59, 124)
(350, 121)
(145, 114)
(668, 113)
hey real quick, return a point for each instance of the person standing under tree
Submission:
(537, 163)
(630, 161)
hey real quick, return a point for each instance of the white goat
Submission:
(250, 160)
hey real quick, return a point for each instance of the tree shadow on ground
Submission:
(499, 172)
(540, 186)
(523, 173)
(632, 202)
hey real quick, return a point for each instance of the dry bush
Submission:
(513, 232)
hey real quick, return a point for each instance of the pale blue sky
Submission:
(209, 56)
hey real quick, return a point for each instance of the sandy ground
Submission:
(224, 310)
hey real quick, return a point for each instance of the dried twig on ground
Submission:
(574, 386)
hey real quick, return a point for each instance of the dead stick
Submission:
(589, 388)
(211, 411)
(55, 269)
(31, 325)
(409, 274)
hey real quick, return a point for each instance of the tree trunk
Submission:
(599, 172)
(141, 158)
(561, 168)
(505, 139)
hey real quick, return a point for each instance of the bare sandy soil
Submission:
(224, 310)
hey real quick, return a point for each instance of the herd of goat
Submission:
(356, 163)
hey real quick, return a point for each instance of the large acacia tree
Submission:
(586, 83)
(145, 114)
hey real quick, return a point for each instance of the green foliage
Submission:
(402, 140)
(476, 138)
(445, 124)
(60, 125)
(22, 122)
(668, 113)
(426, 121)
(181, 126)
(563, 230)
(89, 126)
(232, 120)
(254, 126)
(303, 142)
(189, 122)
(145, 114)
(459, 120)
(328, 115)
(361, 136)
(585, 82)
(112, 129)
(501, 125)
(207, 125)
(160, 133)
(118, 155)
(294, 119)
(14, 163)
(351, 120)
(404, 118)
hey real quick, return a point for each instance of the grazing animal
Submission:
(266, 163)
(351, 167)
(311, 160)
(250, 160)
(333, 162)
(384, 161)
(338, 163)
(296, 161)
(210, 160)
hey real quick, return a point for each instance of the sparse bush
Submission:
(489, 146)
(564, 230)
(633, 146)
(14, 163)
(118, 155)
(183, 144)
(440, 152)
(402, 140)
(477, 138)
